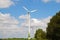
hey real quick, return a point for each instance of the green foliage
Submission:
(21, 39)
(15, 39)
(0, 39)
(18, 39)
(40, 34)
(53, 29)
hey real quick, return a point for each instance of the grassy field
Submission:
(20, 39)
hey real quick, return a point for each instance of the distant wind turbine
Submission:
(28, 12)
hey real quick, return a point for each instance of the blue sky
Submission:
(13, 17)
(43, 9)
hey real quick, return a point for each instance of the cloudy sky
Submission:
(13, 17)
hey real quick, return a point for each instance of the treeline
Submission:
(52, 30)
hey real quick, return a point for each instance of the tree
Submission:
(40, 34)
(0, 39)
(53, 29)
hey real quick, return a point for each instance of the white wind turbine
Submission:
(28, 12)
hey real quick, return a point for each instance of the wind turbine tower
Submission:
(28, 12)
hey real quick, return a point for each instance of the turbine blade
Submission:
(25, 8)
(33, 10)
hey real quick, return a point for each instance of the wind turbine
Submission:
(28, 12)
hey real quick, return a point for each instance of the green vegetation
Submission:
(18, 39)
(53, 29)
(21, 39)
(40, 35)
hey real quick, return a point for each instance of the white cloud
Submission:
(6, 3)
(7, 19)
(35, 24)
(23, 17)
(46, 1)
(42, 23)
(8, 25)
(11, 27)
(58, 1)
